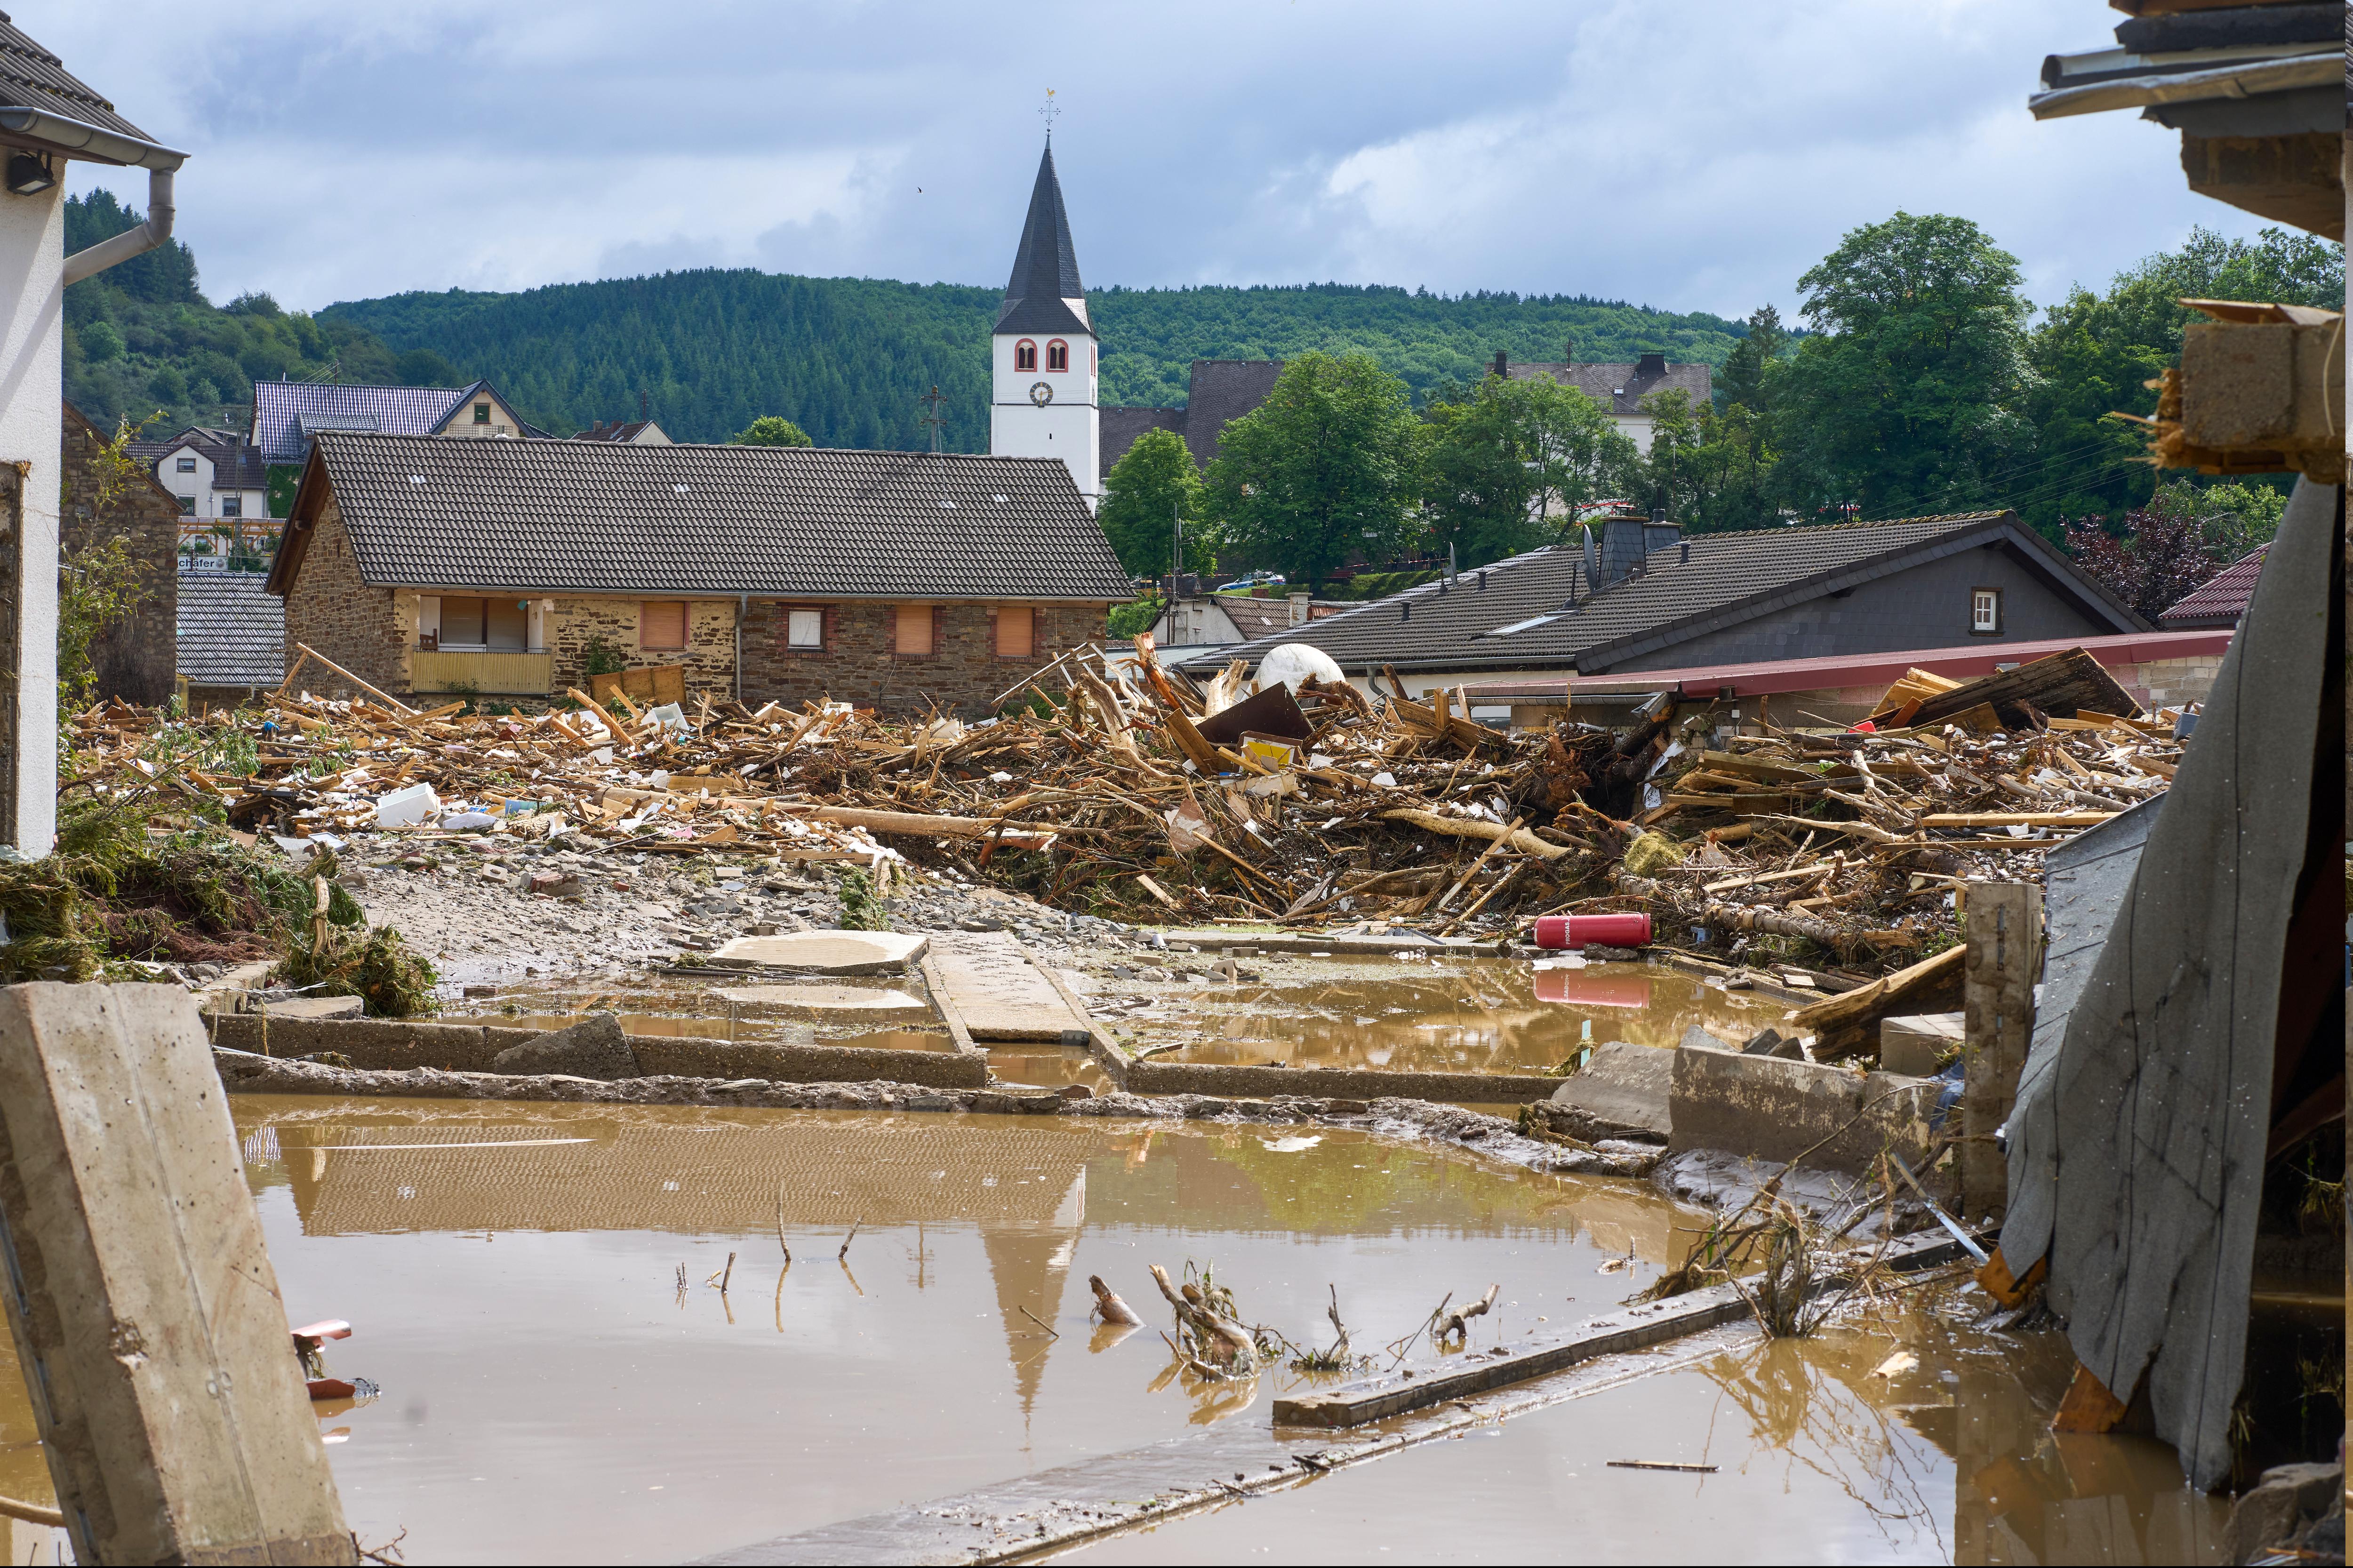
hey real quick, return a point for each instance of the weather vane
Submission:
(1050, 111)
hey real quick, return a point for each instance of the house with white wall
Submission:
(47, 118)
(222, 486)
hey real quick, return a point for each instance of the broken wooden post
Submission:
(2004, 959)
(156, 1350)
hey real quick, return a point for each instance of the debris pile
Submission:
(1114, 787)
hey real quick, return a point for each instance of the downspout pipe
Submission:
(133, 242)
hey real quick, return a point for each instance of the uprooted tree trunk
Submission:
(1109, 1305)
(1458, 1322)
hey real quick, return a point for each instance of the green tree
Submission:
(1902, 403)
(1326, 468)
(771, 430)
(1746, 368)
(1153, 483)
(1507, 462)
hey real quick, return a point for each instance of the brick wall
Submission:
(366, 629)
(708, 659)
(963, 673)
(138, 656)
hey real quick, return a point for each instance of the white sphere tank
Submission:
(1293, 662)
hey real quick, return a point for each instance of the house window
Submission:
(1984, 611)
(1058, 355)
(1025, 355)
(662, 624)
(188, 465)
(913, 639)
(232, 506)
(1016, 631)
(481, 413)
(188, 506)
(805, 628)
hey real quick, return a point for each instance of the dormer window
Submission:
(1025, 355)
(1058, 355)
(481, 413)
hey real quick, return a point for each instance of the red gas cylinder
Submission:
(1582, 931)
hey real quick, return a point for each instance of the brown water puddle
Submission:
(1462, 1015)
(1819, 1457)
(549, 1395)
(676, 1007)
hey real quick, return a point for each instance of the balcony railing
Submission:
(491, 673)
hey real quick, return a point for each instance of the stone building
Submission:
(898, 580)
(136, 655)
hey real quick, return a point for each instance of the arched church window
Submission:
(1025, 355)
(1058, 355)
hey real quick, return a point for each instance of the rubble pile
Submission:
(1119, 790)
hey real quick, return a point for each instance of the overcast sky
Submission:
(1695, 157)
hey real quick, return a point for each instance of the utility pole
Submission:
(932, 415)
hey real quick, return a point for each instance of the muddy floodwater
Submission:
(1443, 1014)
(536, 1298)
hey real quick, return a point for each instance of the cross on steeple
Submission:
(1051, 113)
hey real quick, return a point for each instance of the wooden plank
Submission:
(2016, 818)
(2004, 960)
(170, 1405)
(1633, 1328)
(2067, 685)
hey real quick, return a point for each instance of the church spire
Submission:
(1044, 294)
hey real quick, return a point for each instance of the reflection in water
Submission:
(1475, 1016)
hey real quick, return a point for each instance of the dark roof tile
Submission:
(232, 631)
(601, 517)
(2221, 600)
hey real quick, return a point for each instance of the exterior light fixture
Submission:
(29, 173)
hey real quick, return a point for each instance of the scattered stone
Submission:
(593, 1047)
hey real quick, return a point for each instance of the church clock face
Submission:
(1041, 393)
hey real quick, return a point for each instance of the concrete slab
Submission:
(824, 952)
(1918, 1045)
(1624, 1087)
(143, 1303)
(999, 992)
(1773, 1109)
(315, 1007)
(824, 1002)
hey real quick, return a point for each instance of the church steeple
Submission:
(1043, 360)
(1044, 294)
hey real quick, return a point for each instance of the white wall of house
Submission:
(32, 421)
(199, 495)
(502, 420)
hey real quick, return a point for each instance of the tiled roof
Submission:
(595, 516)
(1255, 617)
(1515, 614)
(1045, 266)
(232, 631)
(2220, 602)
(32, 78)
(235, 466)
(1223, 390)
(287, 413)
(1620, 388)
(1122, 427)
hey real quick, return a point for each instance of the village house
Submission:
(1195, 619)
(1218, 393)
(2223, 600)
(232, 637)
(1619, 388)
(1644, 597)
(899, 581)
(221, 485)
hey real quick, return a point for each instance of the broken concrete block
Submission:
(1696, 1038)
(1770, 1108)
(2268, 1516)
(314, 1007)
(1624, 1088)
(593, 1047)
(1920, 1045)
(844, 1001)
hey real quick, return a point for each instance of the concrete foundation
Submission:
(1770, 1108)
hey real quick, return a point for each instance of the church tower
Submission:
(1042, 358)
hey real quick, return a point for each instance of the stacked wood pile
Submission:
(1123, 789)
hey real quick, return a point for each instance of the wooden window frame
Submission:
(933, 651)
(1025, 355)
(1058, 349)
(1994, 630)
(685, 625)
(824, 644)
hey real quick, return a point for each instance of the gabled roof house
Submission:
(288, 414)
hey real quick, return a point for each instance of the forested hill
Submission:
(847, 358)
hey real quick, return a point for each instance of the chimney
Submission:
(1298, 609)
(1621, 548)
(1651, 365)
(1503, 364)
(1659, 533)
